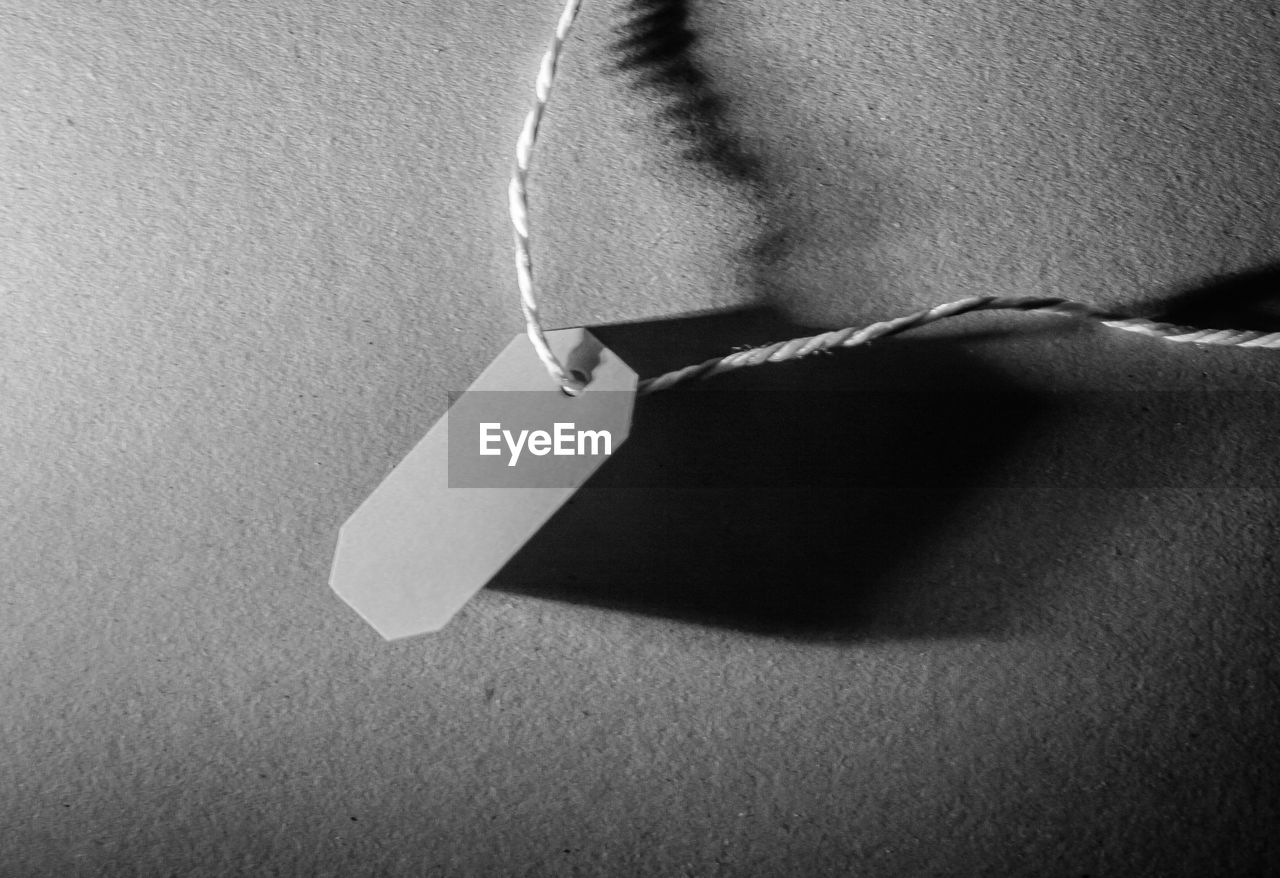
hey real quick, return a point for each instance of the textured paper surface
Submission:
(246, 249)
(418, 549)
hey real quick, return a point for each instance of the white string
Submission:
(519, 200)
(852, 336)
(796, 348)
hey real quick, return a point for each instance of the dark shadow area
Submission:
(1246, 300)
(790, 499)
(793, 499)
(780, 499)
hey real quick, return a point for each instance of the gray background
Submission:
(247, 248)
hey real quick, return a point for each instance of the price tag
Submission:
(505, 456)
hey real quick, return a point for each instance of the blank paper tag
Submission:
(460, 505)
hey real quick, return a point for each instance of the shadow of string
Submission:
(654, 47)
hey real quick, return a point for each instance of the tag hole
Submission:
(579, 384)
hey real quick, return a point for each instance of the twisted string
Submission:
(796, 348)
(853, 336)
(519, 201)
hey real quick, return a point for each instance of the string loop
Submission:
(574, 383)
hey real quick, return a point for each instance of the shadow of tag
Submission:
(776, 499)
